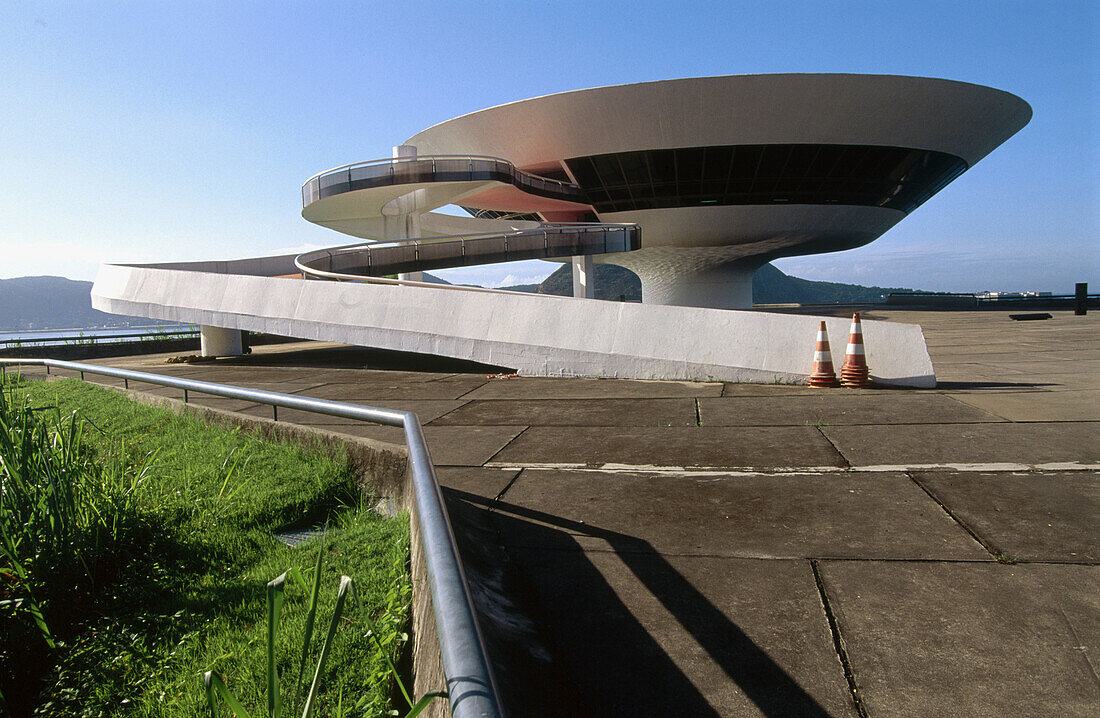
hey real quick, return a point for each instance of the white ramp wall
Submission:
(536, 335)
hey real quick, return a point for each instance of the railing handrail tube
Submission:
(471, 687)
(369, 244)
(425, 158)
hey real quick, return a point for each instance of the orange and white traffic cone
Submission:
(823, 374)
(854, 372)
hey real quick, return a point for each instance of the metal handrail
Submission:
(471, 687)
(416, 158)
(520, 178)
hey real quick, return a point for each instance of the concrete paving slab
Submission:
(382, 376)
(957, 384)
(231, 374)
(1046, 369)
(290, 386)
(646, 635)
(767, 390)
(1031, 516)
(992, 349)
(426, 410)
(217, 402)
(975, 640)
(575, 412)
(566, 388)
(1075, 381)
(708, 446)
(869, 516)
(829, 407)
(480, 481)
(1082, 405)
(448, 445)
(446, 388)
(926, 444)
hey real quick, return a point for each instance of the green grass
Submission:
(164, 577)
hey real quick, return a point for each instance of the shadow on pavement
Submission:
(563, 642)
(353, 357)
(990, 385)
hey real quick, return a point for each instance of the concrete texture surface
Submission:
(576, 412)
(817, 552)
(826, 408)
(868, 516)
(1019, 443)
(774, 447)
(1042, 406)
(1030, 516)
(976, 640)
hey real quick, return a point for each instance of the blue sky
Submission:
(166, 131)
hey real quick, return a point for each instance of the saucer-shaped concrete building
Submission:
(722, 174)
(692, 184)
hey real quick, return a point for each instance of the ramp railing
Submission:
(471, 686)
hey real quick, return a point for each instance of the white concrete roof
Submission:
(959, 118)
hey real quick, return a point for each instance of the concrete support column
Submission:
(220, 342)
(584, 277)
(717, 288)
(691, 277)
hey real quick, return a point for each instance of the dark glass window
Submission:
(895, 177)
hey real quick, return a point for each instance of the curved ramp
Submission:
(359, 261)
(390, 200)
(536, 335)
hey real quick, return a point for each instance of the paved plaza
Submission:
(706, 549)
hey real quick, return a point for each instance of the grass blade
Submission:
(372, 630)
(213, 682)
(275, 596)
(311, 616)
(423, 703)
(337, 612)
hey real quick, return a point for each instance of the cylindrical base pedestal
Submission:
(220, 342)
(690, 278)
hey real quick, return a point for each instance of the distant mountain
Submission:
(30, 303)
(772, 286)
(612, 282)
(769, 286)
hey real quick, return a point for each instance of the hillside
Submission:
(40, 303)
(32, 303)
(769, 286)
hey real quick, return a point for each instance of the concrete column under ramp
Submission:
(537, 335)
(584, 277)
(219, 342)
